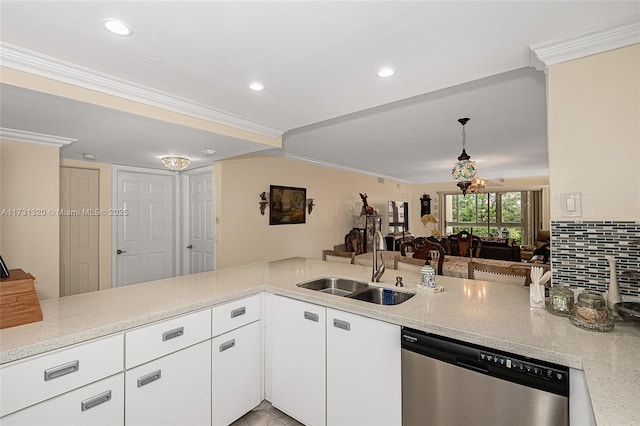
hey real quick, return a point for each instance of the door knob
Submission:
(190, 246)
(120, 251)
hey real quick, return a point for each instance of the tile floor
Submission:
(265, 415)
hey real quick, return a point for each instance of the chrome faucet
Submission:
(378, 244)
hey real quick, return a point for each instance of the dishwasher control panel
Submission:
(523, 367)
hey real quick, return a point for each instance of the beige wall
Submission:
(30, 180)
(105, 221)
(594, 134)
(245, 236)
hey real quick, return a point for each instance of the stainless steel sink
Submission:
(381, 296)
(333, 285)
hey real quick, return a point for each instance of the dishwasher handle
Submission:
(471, 365)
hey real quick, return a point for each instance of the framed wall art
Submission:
(287, 205)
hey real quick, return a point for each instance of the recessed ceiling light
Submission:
(88, 156)
(208, 151)
(386, 72)
(117, 27)
(256, 86)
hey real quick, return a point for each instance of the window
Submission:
(493, 214)
(398, 216)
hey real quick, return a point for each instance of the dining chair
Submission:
(426, 249)
(338, 256)
(466, 244)
(404, 263)
(505, 274)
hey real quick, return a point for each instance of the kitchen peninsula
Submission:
(490, 314)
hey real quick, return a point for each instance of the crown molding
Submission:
(37, 63)
(621, 33)
(340, 167)
(31, 137)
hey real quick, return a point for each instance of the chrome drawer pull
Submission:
(238, 312)
(148, 378)
(227, 345)
(94, 401)
(176, 332)
(311, 316)
(342, 324)
(61, 370)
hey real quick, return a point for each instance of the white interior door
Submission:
(200, 228)
(79, 239)
(145, 234)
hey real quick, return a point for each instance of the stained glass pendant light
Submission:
(465, 169)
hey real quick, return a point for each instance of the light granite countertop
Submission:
(490, 314)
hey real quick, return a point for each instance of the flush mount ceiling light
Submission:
(386, 72)
(256, 86)
(175, 163)
(117, 27)
(465, 169)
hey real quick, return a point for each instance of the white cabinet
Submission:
(26, 382)
(161, 338)
(236, 359)
(235, 314)
(298, 359)
(172, 390)
(363, 371)
(236, 373)
(100, 403)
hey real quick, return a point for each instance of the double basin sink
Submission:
(357, 290)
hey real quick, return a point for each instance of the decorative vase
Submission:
(613, 295)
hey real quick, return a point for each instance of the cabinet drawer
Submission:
(100, 403)
(161, 338)
(172, 390)
(35, 379)
(235, 314)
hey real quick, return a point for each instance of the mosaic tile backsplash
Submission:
(578, 250)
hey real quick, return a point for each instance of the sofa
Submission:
(542, 238)
(499, 249)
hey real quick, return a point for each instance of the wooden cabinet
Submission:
(363, 371)
(172, 390)
(19, 302)
(100, 403)
(298, 360)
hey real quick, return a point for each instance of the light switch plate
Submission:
(571, 204)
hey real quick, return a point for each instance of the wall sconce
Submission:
(263, 203)
(310, 205)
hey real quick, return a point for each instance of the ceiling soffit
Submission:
(43, 65)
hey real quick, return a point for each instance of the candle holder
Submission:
(263, 203)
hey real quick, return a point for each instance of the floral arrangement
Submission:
(429, 218)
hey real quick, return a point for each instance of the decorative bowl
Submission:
(629, 311)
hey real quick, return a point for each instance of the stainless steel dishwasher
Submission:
(448, 382)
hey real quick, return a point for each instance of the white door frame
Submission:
(184, 214)
(114, 220)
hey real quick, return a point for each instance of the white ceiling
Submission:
(318, 62)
